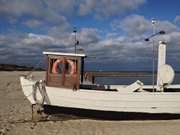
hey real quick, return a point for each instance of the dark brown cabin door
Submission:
(70, 74)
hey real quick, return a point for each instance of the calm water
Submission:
(128, 80)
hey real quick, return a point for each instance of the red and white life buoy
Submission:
(71, 64)
(55, 66)
(72, 67)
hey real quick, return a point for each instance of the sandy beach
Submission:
(15, 117)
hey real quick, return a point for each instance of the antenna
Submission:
(76, 41)
(154, 22)
(153, 35)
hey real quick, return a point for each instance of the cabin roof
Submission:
(64, 54)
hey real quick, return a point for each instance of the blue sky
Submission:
(111, 32)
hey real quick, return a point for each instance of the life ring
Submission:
(72, 67)
(55, 66)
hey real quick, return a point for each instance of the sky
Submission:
(111, 32)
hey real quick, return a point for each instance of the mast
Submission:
(161, 52)
(154, 22)
(75, 39)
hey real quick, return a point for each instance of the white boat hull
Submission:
(139, 102)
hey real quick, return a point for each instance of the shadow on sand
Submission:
(73, 113)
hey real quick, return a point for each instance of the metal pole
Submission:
(75, 39)
(153, 49)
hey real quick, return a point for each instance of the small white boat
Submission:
(65, 86)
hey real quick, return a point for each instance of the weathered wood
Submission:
(47, 69)
(64, 80)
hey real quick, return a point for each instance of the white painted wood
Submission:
(144, 102)
(172, 86)
(64, 54)
(27, 87)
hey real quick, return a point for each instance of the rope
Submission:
(37, 87)
(40, 85)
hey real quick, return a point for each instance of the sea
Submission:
(129, 80)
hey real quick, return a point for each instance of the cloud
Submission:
(166, 26)
(87, 7)
(3, 40)
(62, 6)
(33, 23)
(36, 9)
(106, 8)
(177, 19)
(115, 49)
(135, 24)
(61, 30)
(20, 8)
(85, 36)
(88, 35)
(34, 39)
(58, 10)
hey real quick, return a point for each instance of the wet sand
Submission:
(15, 117)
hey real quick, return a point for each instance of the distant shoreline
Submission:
(13, 67)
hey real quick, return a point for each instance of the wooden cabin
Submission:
(64, 69)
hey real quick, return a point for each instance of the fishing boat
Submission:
(66, 86)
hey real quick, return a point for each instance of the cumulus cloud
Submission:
(37, 9)
(177, 19)
(56, 10)
(108, 8)
(62, 6)
(166, 26)
(34, 39)
(113, 49)
(55, 16)
(87, 7)
(61, 30)
(137, 25)
(88, 35)
(27, 48)
(33, 23)
(18, 8)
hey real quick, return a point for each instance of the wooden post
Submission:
(32, 112)
(47, 69)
